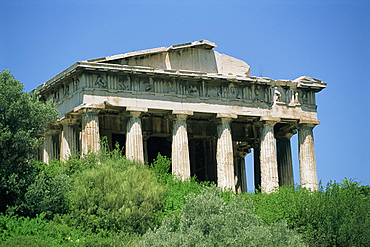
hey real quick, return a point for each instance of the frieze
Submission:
(216, 89)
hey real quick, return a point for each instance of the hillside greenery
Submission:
(103, 199)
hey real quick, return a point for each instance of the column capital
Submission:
(286, 132)
(135, 113)
(306, 126)
(94, 111)
(53, 130)
(69, 121)
(181, 117)
(270, 123)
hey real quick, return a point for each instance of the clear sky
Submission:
(327, 40)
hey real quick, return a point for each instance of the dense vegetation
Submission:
(104, 199)
(22, 116)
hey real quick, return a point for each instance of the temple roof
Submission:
(194, 56)
(196, 59)
(201, 44)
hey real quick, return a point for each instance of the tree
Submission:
(22, 117)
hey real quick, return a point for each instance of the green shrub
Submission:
(37, 230)
(28, 241)
(176, 189)
(115, 197)
(47, 195)
(337, 215)
(206, 220)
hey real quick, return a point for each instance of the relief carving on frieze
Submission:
(148, 84)
(65, 90)
(307, 97)
(192, 90)
(100, 82)
(75, 83)
(124, 83)
(258, 93)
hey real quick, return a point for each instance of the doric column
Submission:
(180, 147)
(257, 166)
(268, 162)
(48, 148)
(307, 161)
(240, 175)
(284, 158)
(51, 144)
(90, 131)
(145, 142)
(224, 155)
(134, 137)
(243, 174)
(69, 139)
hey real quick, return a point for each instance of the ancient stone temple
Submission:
(188, 102)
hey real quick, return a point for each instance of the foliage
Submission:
(35, 231)
(176, 189)
(28, 241)
(337, 215)
(22, 116)
(206, 220)
(114, 197)
(47, 195)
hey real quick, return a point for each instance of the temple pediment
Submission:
(193, 56)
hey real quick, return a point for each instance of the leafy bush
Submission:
(206, 220)
(47, 195)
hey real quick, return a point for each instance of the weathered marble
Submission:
(180, 147)
(48, 149)
(69, 140)
(268, 162)
(90, 137)
(257, 167)
(284, 159)
(307, 160)
(134, 139)
(225, 161)
(240, 174)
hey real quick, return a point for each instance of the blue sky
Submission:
(328, 40)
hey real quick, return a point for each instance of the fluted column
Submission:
(134, 137)
(284, 158)
(224, 155)
(48, 149)
(240, 175)
(51, 144)
(90, 131)
(269, 172)
(257, 167)
(69, 135)
(307, 161)
(180, 147)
